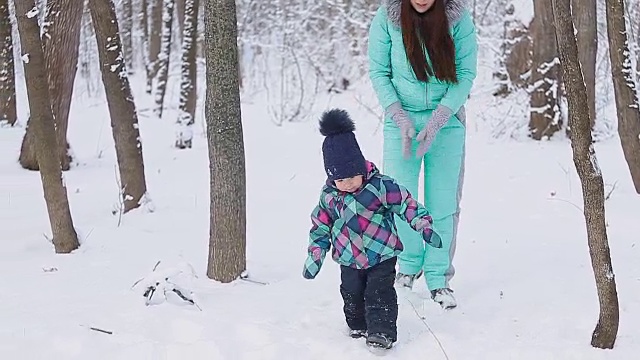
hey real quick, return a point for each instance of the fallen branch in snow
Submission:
(245, 277)
(183, 297)
(168, 285)
(102, 331)
(254, 281)
(93, 328)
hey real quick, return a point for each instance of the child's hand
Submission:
(428, 235)
(310, 270)
(307, 275)
(431, 237)
(313, 264)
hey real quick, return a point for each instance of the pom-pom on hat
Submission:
(342, 156)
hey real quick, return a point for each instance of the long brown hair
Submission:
(429, 31)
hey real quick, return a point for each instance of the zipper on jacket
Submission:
(426, 90)
(341, 202)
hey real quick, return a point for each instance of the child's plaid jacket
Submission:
(360, 226)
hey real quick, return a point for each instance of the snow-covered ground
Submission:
(524, 281)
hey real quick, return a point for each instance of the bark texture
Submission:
(624, 88)
(188, 86)
(155, 30)
(163, 58)
(61, 49)
(127, 34)
(227, 241)
(545, 118)
(586, 23)
(515, 56)
(181, 9)
(143, 18)
(8, 114)
(65, 238)
(122, 109)
(586, 163)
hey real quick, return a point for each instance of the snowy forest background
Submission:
(283, 61)
(296, 58)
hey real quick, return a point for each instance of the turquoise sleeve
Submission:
(379, 52)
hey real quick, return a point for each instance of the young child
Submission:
(355, 215)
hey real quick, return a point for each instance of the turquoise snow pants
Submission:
(443, 179)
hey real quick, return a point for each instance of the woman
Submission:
(423, 59)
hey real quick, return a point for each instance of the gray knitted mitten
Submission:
(407, 129)
(439, 117)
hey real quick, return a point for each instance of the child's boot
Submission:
(379, 340)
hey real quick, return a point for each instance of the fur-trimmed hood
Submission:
(454, 9)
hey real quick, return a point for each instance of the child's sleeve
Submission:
(399, 200)
(319, 239)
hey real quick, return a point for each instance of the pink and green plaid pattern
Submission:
(361, 226)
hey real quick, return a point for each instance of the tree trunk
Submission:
(163, 58)
(87, 55)
(61, 49)
(638, 47)
(624, 89)
(201, 32)
(501, 75)
(143, 17)
(227, 239)
(127, 34)
(181, 9)
(585, 18)
(155, 30)
(546, 118)
(586, 163)
(516, 53)
(8, 114)
(122, 109)
(188, 87)
(65, 238)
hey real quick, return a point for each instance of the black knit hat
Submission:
(342, 156)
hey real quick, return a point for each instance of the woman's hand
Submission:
(440, 116)
(407, 129)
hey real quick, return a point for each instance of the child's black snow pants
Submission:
(370, 300)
